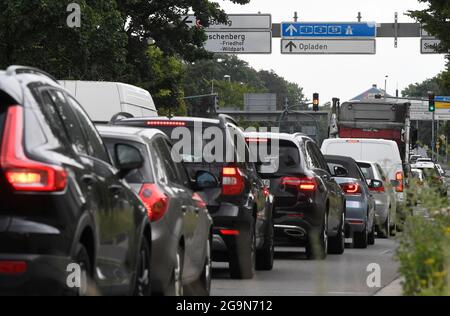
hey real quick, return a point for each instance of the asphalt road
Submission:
(294, 275)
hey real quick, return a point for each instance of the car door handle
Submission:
(89, 180)
(116, 190)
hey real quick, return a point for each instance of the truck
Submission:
(374, 120)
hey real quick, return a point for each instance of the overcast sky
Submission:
(349, 75)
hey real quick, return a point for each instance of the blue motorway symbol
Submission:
(332, 30)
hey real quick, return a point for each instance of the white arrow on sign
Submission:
(292, 29)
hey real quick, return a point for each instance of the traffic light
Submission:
(216, 102)
(431, 103)
(316, 102)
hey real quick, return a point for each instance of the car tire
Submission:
(361, 239)
(242, 260)
(84, 262)
(317, 245)
(265, 255)
(371, 237)
(336, 245)
(142, 285)
(206, 277)
(176, 287)
(385, 231)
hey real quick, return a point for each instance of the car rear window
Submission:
(352, 168)
(284, 158)
(367, 170)
(143, 175)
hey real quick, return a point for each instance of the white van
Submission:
(383, 152)
(102, 100)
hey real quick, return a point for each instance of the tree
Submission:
(436, 19)
(35, 33)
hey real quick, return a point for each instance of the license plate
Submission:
(266, 183)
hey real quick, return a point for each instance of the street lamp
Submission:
(227, 77)
(385, 84)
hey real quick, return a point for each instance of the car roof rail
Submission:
(12, 70)
(119, 117)
(224, 119)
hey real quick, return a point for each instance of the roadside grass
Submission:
(424, 250)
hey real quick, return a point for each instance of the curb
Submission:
(393, 289)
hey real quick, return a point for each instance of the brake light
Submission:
(303, 184)
(353, 141)
(232, 181)
(351, 188)
(22, 173)
(266, 192)
(380, 189)
(198, 200)
(155, 201)
(257, 140)
(13, 267)
(229, 232)
(399, 178)
(166, 123)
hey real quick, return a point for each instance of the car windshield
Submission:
(367, 170)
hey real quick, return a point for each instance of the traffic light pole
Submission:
(433, 140)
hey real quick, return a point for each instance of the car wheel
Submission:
(317, 246)
(265, 255)
(360, 239)
(176, 287)
(385, 231)
(337, 244)
(142, 284)
(207, 272)
(371, 236)
(242, 260)
(84, 262)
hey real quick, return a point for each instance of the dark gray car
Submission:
(181, 224)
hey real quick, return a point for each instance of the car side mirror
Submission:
(129, 158)
(395, 183)
(340, 172)
(205, 180)
(375, 184)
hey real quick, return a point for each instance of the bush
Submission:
(424, 251)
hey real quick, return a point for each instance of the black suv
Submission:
(309, 207)
(69, 223)
(239, 203)
(181, 225)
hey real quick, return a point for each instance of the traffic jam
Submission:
(114, 208)
(173, 149)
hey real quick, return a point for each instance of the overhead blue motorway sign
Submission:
(316, 30)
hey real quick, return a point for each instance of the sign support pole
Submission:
(433, 141)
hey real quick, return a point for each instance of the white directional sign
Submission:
(239, 42)
(429, 46)
(236, 21)
(420, 112)
(328, 46)
(243, 34)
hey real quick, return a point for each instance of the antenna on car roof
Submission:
(119, 117)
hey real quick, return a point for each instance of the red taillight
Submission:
(22, 173)
(229, 232)
(154, 200)
(198, 200)
(232, 181)
(351, 188)
(257, 140)
(266, 192)
(166, 123)
(380, 189)
(13, 267)
(302, 184)
(399, 178)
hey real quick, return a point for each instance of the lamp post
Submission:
(227, 77)
(385, 84)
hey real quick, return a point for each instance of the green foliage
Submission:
(424, 251)
(436, 19)
(35, 33)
